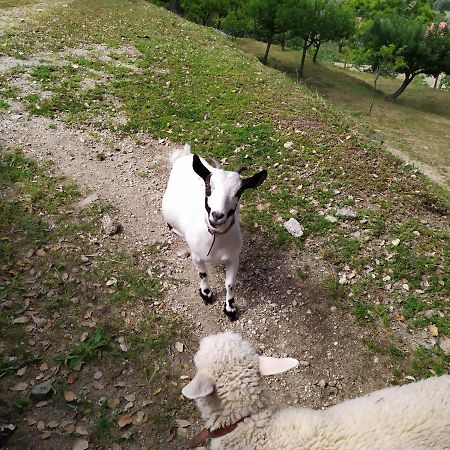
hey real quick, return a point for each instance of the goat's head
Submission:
(223, 190)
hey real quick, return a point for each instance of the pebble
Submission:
(304, 363)
(445, 346)
(330, 218)
(42, 391)
(294, 228)
(346, 213)
(322, 383)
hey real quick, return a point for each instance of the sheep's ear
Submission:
(199, 168)
(271, 366)
(253, 182)
(199, 387)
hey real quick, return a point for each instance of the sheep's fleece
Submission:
(227, 388)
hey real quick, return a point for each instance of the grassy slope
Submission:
(192, 85)
(417, 123)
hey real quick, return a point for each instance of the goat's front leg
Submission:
(231, 268)
(204, 291)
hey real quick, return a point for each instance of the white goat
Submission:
(227, 387)
(201, 204)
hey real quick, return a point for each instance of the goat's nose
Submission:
(217, 215)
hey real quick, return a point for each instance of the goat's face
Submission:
(223, 190)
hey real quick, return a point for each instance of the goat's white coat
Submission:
(411, 417)
(184, 209)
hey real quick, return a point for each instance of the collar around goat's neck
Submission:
(219, 432)
(214, 232)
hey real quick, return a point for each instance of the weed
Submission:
(429, 361)
(86, 350)
(301, 273)
(334, 289)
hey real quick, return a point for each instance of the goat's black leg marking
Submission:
(170, 227)
(204, 291)
(207, 296)
(230, 310)
(231, 268)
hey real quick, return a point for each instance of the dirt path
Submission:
(279, 312)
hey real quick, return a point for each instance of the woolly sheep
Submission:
(201, 204)
(227, 389)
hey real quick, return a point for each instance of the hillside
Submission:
(106, 90)
(416, 125)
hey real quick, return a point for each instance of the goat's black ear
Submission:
(199, 168)
(253, 182)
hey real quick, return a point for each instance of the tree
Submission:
(337, 24)
(417, 48)
(237, 23)
(413, 9)
(267, 17)
(203, 11)
(175, 7)
(317, 21)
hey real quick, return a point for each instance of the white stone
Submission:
(294, 228)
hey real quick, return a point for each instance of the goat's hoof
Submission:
(232, 315)
(207, 296)
(169, 226)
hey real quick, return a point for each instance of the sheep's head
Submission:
(228, 376)
(223, 190)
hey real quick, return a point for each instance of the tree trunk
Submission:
(269, 43)
(283, 42)
(375, 90)
(175, 7)
(316, 51)
(408, 79)
(436, 82)
(302, 62)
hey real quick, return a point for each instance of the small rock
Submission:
(183, 254)
(87, 201)
(42, 391)
(110, 226)
(304, 363)
(395, 242)
(322, 383)
(179, 346)
(346, 213)
(445, 345)
(294, 228)
(330, 218)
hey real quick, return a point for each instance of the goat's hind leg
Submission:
(231, 268)
(204, 291)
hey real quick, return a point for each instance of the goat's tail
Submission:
(186, 150)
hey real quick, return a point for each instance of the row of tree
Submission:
(393, 36)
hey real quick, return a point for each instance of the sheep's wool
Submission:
(411, 417)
